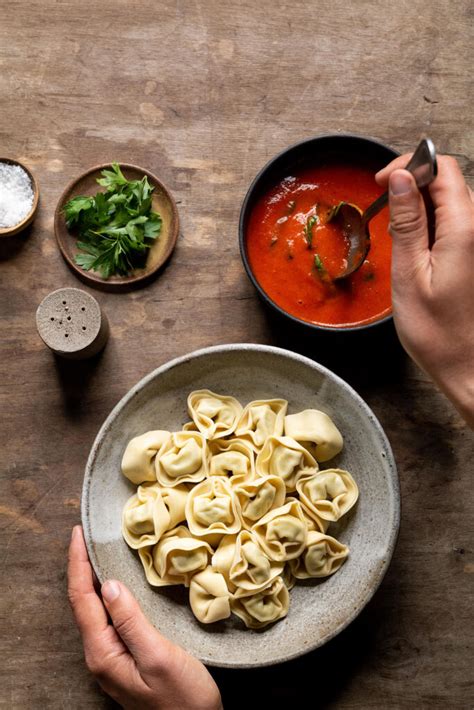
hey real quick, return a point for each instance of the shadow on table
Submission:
(366, 359)
(11, 246)
(75, 377)
(317, 679)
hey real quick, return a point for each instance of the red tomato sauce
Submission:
(295, 270)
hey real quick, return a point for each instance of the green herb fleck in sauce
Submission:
(308, 230)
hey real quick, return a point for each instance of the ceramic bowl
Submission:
(160, 251)
(28, 219)
(309, 153)
(318, 609)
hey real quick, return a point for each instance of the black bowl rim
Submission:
(243, 210)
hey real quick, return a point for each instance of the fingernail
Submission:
(110, 591)
(400, 182)
(75, 531)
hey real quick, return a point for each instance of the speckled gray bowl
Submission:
(318, 610)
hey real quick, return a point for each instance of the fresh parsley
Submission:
(308, 229)
(321, 269)
(117, 227)
(333, 211)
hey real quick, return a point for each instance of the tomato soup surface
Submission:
(294, 252)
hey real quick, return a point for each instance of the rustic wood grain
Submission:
(203, 93)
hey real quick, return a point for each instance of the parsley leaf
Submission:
(321, 269)
(308, 230)
(116, 228)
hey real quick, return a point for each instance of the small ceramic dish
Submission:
(26, 221)
(163, 203)
(310, 153)
(318, 609)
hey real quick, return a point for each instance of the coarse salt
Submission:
(16, 194)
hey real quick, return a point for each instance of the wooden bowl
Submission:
(10, 231)
(162, 201)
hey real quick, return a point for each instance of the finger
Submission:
(87, 607)
(141, 638)
(449, 190)
(408, 227)
(106, 656)
(401, 162)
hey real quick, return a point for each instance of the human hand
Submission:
(432, 285)
(131, 660)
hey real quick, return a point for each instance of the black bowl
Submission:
(309, 153)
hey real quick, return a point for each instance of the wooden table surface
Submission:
(203, 94)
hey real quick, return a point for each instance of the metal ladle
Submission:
(354, 222)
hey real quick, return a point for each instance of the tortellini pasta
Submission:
(215, 415)
(138, 461)
(145, 517)
(261, 419)
(258, 497)
(232, 458)
(316, 430)
(323, 556)
(328, 494)
(244, 564)
(234, 505)
(182, 459)
(213, 508)
(175, 501)
(284, 457)
(263, 607)
(209, 596)
(175, 558)
(283, 532)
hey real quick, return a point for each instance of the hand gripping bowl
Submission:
(318, 611)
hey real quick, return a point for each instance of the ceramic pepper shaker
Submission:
(71, 323)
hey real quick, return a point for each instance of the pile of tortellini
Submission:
(235, 507)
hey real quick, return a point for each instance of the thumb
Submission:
(408, 224)
(141, 638)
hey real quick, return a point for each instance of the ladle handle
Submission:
(422, 166)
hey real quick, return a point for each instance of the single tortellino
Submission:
(183, 459)
(175, 559)
(145, 517)
(233, 459)
(215, 415)
(323, 556)
(260, 419)
(209, 596)
(263, 607)
(317, 431)
(175, 499)
(138, 461)
(282, 532)
(212, 508)
(244, 564)
(329, 494)
(284, 457)
(258, 497)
